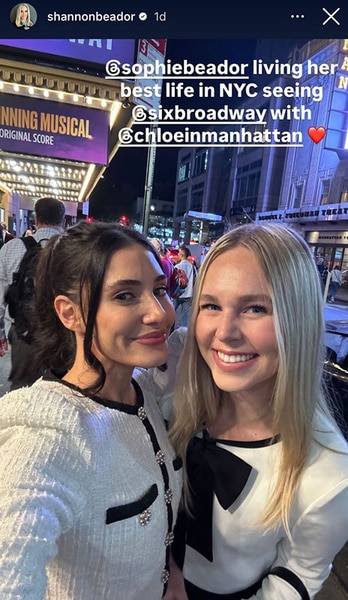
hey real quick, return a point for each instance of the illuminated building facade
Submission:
(313, 194)
(59, 122)
(303, 182)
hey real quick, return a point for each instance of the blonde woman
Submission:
(23, 16)
(266, 464)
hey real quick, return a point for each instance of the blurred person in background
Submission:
(335, 283)
(166, 263)
(5, 235)
(183, 303)
(49, 220)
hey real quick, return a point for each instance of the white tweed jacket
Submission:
(89, 492)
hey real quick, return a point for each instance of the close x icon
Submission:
(331, 16)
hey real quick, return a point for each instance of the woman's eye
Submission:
(256, 309)
(208, 306)
(123, 296)
(161, 291)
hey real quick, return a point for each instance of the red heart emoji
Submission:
(316, 133)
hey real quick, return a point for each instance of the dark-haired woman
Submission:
(89, 482)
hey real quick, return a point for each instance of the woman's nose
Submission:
(159, 311)
(229, 328)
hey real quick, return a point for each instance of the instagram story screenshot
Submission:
(228, 117)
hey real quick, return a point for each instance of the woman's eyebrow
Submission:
(132, 282)
(243, 298)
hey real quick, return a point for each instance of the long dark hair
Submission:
(74, 264)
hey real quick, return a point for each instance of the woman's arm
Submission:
(305, 560)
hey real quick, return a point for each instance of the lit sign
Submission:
(54, 129)
(327, 212)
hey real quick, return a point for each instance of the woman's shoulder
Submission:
(324, 480)
(43, 404)
(327, 434)
(40, 425)
(327, 467)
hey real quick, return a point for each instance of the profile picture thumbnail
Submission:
(23, 15)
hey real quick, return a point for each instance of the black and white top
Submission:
(235, 551)
(227, 551)
(88, 496)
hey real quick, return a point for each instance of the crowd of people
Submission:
(166, 455)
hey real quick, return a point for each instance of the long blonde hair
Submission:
(18, 15)
(292, 275)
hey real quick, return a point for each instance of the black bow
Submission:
(210, 470)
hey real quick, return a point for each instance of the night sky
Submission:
(124, 179)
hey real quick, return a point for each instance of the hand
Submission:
(3, 346)
(175, 593)
(176, 585)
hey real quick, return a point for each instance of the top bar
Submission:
(180, 19)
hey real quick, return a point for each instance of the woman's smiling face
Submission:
(235, 324)
(135, 312)
(24, 13)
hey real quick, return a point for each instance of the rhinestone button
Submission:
(165, 576)
(169, 538)
(160, 458)
(142, 413)
(168, 496)
(145, 517)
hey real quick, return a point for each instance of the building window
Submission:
(197, 197)
(247, 187)
(325, 188)
(181, 203)
(253, 128)
(185, 168)
(344, 192)
(298, 189)
(200, 162)
(246, 190)
(253, 185)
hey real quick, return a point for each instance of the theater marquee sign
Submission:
(53, 129)
(327, 237)
(328, 212)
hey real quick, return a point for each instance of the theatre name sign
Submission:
(327, 212)
(53, 129)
